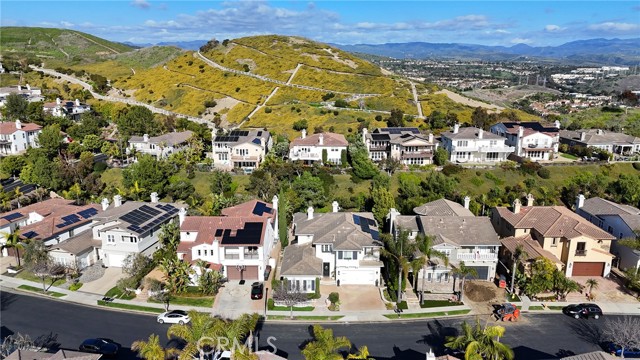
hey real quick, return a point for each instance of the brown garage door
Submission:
(588, 269)
(249, 273)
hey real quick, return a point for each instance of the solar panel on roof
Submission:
(375, 234)
(261, 208)
(364, 226)
(30, 234)
(239, 133)
(356, 219)
(13, 216)
(88, 213)
(250, 235)
(149, 210)
(259, 133)
(256, 141)
(218, 232)
(60, 226)
(71, 218)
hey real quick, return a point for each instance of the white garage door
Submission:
(357, 277)
(115, 260)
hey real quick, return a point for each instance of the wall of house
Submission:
(303, 239)
(306, 284)
(326, 257)
(569, 252)
(314, 153)
(82, 260)
(471, 151)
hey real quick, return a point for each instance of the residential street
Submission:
(536, 336)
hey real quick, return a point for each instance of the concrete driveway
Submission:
(105, 283)
(354, 297)
(234, 300)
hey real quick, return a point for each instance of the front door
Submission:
(326, 269)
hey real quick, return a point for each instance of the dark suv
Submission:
(106, 347)
(257, 288)
(583, 310)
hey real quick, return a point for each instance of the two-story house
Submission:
(311, 148)
(242, 149)
(621, 221)
(407, 145)
(160, 146)
(16, 137)
(531, 140)
(31, 94)
(575, 245)
(613, 142)
(238, 243)
(68, 108)
(473, 145)
(458, 234)
(338, 246)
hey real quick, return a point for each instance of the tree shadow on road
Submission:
(436, 338)
(6, 299)
(587, 331)
(408, 354)
(524, 352)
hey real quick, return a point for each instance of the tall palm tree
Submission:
(462, 272)
(12, 240)
(481, 343)
(591, 284)
(235, 331)
(243, 353)
(152, 350)
(197, 334)
(425, 245)
(399, 250)
(325, 346)
(517, 257)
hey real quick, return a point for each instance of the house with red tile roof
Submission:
(238, 243)
(68, 108)
(310, 148)
(531, 140)
(16, 137)
(557, 233)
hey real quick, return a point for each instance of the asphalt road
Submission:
(536, 336)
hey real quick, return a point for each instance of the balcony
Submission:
(306, 156)
(466, 256)
(582, 252)
(251, 256)
(244, 158)
(231, 256)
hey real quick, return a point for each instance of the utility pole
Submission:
(399, 275)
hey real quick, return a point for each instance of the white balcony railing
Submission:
(477, 256)
(307, 156)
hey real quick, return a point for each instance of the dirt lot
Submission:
(480, 295)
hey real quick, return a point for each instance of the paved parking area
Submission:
(105, 283)
(234, 299)
(354, 297)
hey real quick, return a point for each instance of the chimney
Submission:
(431, 138)
(310, 213)
(77, 102)
(182, 215)
(520, 132)
(430, 355)
(105, 204)
(58, 101)
(18, 124)
(557, 124)
(516, 206)
(364, 135)
(480, 134)
(304, 133)
(145, 137)
(391, 216)
(117, 200)
(583, 135)
(28, 87)
(263, 143)
(154, 197)
(334, 206)
(579, 201)
(467, 200)
(530, 200)
(600, 132)
(321, 139)
(19, 88)
(276, 226)
(456, 127)
(274, 201)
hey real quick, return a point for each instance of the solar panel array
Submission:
(261, 208)
(88, 213)
(250, 235)
(367, 225)
(380, 137)
(400, 130)
(259, 133)
(148, 216)
(30, 234)
(13, 216)
(69, 220)
(227, 138)
(239, 133)
(256, 141)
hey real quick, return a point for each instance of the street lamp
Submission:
(266, 293)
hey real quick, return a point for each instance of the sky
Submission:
(506, 23)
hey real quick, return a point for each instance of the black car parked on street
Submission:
(583, 311)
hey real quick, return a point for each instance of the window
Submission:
(205, 252)
(492, 156)
(223, 157)
(493, 142)
(581, 249)
(130, 239)
(339, 255)
(463, 143)
(111, 238)
(199, 252)
(251, 252)
(242, 152)
(326, 248)
(368, 251)
(554, 242)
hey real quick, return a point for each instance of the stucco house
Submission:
(405, 144)
(621, 221)
(160, 146)
(16, 137)
(310, 148)
(456, 233)
(238, 243)
(243, 149)
(341, 247)
(68, 108)
(578, 247)
(531, 140)
(613, 142)
(473, 145)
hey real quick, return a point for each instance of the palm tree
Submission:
(243, 353)
(481, 343)
(363, 354)
(592, 284)
(13, 240)
(325, 346)
(462, 272)
(400, 250)
(136, 190)
(516, 257)
(197, 334)
(425, 245)
(152, 350)
(235, 331)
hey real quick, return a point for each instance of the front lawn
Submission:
(130, 307)
(116, 293)
(28, 275)
(306, 318)
(204, 301)
(536, 307)
(439, 303)
(425, 315)
(39, 290)
(569, 156)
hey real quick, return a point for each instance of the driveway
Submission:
(234, 300)
(105, 283)
(354, 297)
(608, 290)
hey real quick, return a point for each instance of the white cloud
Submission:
(66, 24)
(553, 28)
(141, 4)
(521, 41)
(614, 27)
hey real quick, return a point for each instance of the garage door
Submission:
(249, 273)
(357, 277)
(115, 260)
(588, 269)
(483, 272)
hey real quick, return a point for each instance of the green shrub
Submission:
(75, 286)
(403, 305)
(451, 169)
(334, 297)
(477, 181)
(636, 165)
(545, 173)
(494, 178)
(270, 304)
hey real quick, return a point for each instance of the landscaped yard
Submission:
(39, 290)
(425, 315)
(439, 303)
(27, 275)
(569, 156)
(116, 293)
(307, 318)
(204, 301)
(130, 307)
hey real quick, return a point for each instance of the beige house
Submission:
(557, 233)
(244, 149)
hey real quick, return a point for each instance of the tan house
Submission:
(243, 149)
(557, 233)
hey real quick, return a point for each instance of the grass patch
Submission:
(439, 303)
(536, 307)
(569, 156)
(307, 318)
(426, 315)
(205, 301)
(555, 307)
(116, 293)
(38, 290)
(130, 307)
(27, 275)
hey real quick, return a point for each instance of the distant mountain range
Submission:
(596, 51)
(186, 45)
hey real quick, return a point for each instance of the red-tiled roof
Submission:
(43, 208)
(329, 139)
(47, 228)
(247, 209)
(7, 128)
(530, 246)
(206, 227)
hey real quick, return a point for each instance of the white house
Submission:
(407, 145)
(342, 246)
(621, 221)
(473, 145)
(16, 137)
(238, 243)
(613, 142)
(31, 94)
(160, 146)
(310, 148)
(531, 140)
(243, 149)
(68, 108)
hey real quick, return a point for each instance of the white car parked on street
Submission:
(174, 317)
